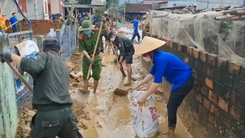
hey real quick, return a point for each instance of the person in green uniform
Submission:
(51, 96)
(87, 40)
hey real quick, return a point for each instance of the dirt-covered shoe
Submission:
(170, 133)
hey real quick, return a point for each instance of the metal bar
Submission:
(20, 33)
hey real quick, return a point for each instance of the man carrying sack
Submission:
(51, 96)
(126, 49)
(87, 44)
(173, 69)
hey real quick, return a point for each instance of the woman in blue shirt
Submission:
(173, 69)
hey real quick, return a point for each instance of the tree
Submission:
(99, 12)
(112, 3)
(84, 1)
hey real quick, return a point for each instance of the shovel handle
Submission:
(95, 48)
(20, 76)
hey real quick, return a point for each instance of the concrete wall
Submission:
(56, 6)
(216, 104)
(30, 9)
(8, 107)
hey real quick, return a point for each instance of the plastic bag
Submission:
(145, 119)
(52, 33)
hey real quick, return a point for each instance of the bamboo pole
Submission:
(95, 49)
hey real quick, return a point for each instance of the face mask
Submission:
(113, 39)
(146, 57)
(88, 33)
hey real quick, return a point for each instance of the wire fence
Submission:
(23, 96)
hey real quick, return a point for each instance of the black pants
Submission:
(14, 29)
(175, 100)
(135, 36)
(52, 123)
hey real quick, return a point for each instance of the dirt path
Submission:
(105, 115)
(108, 116)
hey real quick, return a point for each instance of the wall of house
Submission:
(216, 104)
(31, 9)
(11, 7)
(54, 6)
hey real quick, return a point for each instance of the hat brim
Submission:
(86, 29)
(148, 44)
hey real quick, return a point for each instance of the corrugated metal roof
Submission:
(98, 2)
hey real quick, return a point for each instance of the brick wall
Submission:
(39, 27)
(215, 107)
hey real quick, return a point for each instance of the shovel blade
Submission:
(81, 97)
(120, 92)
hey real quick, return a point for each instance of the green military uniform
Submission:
(51, 97)
(88, 44)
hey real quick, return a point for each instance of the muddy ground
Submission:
(104, 115)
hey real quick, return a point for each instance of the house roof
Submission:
(154, 1)
(137, 7)
(98, 2)
(171, 8)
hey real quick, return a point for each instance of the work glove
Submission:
(91, 60)
(5, 56)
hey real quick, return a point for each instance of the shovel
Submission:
(20, 76)
(81, 96)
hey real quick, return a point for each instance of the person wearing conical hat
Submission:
(87, 40)
(173, 69)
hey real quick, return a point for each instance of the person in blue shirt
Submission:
(95, 19)
(173, 69)
(53, 16)
(136, 30)
(13, 21)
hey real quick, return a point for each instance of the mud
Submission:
(105, 115)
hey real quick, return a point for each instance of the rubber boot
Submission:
(127, 81)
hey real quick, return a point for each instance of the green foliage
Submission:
(99, 12)
(84, 1)
(111, 3)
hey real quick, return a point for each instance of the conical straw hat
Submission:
(148, 44)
